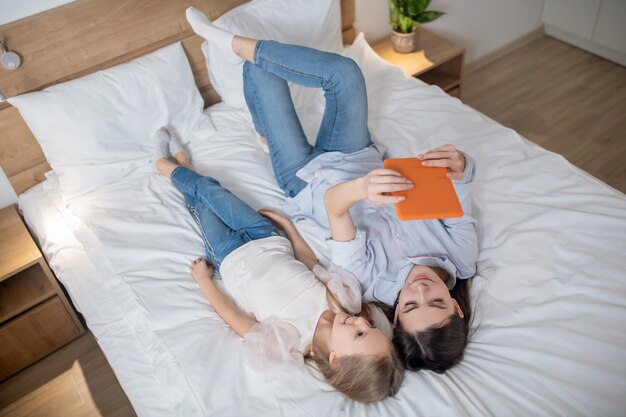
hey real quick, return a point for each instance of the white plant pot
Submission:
(403, 42)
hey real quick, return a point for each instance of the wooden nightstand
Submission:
(35, 317)
(436, 60)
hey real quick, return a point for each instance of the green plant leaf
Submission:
(415, 7)
(429, 16)
(394, 15)
(406, 24)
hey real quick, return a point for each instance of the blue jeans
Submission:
(344, 124)
(226, 222)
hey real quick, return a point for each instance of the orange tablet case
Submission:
(432, 196)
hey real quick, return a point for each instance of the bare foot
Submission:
(201, 269)
(165, 167)
(182, 158)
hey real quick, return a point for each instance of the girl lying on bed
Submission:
(293, 314)
(410, 266)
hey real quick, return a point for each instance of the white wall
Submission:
(11, 10)
(481, 26)
(7, 195)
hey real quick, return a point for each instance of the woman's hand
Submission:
(445, 156)
(201, 270)
(279, 220)
(377, 185)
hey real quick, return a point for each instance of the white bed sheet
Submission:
(550, 299)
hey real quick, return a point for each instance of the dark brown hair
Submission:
(437, 348)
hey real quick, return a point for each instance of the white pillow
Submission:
(97, 128)
(369, 61)
(315, 24)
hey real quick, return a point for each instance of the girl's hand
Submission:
(279, 220)
(377, 185)
(445, 156)
(201, 270)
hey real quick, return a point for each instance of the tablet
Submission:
(432, 195)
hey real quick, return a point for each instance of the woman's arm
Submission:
(301, 250)
(375, 187)
(202, 273)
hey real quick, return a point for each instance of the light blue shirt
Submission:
(385, 248)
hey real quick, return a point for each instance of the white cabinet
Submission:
(575, 16)
(598, 26)
(611, 26)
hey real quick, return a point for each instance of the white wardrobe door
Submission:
(611, 26)
(574, 16)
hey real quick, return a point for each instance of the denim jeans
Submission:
(344, 123)
(226, 222)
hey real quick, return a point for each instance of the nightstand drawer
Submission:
(24, 290)
(33, 335)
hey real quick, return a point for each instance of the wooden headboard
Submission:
(87, 36)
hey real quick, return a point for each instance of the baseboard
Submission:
(503, 50)
(587, 45)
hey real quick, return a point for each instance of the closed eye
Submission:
(437, 303)
(410, 306)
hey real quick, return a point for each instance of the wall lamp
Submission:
(9, 60)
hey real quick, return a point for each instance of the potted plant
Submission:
(405, 16)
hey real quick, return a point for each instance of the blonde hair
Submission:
(363, 378)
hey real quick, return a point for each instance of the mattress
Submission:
(549, 333)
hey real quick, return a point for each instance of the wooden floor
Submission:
(75, 381)
(560, 97)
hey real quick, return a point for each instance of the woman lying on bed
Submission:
(278, 284)
(410, 266)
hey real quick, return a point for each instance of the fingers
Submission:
(445, 151)
(268, 213)
(272, 214)
(388, 199)
(196, 261)
(389, 188)
(455, 175)
(389, 179)
(279, 220)
(447, 163)
(444, 148)
(385, 171)
(387, 176)
(446, 156)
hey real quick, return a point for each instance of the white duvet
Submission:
(549, 334)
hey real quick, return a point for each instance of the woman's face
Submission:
(352, 335)
(424, 301)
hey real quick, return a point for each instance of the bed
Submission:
(549, 333)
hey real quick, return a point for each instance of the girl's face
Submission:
(352, 335)
(424, 301)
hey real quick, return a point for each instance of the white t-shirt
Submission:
(284, 296)
(265, 279)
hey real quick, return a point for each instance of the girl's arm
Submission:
(202, 273)
(375, 187)
(301, 250)
(341, 283)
